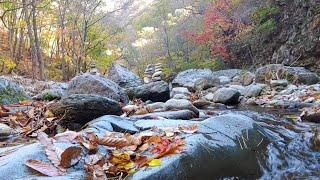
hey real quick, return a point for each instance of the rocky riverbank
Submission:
(197, 96)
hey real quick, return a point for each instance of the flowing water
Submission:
(291, 155)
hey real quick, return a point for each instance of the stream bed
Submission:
(291, 155)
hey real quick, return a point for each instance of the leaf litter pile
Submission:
(29, 117)
(115, 155)
(125, 153)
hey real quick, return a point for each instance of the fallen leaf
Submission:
(155, 162)
(174, 148)
(113, 142)
(190, 129)
(141, 160)
(44, 168)
(67, 136)
(144, 147)
(70, 156)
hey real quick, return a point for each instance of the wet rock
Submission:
(279, 83)
(155, 91)
(112, 124)
(179, 90)
(148, 124)
(241, 89)
(97, 85)
(11, 92)
(209, 96)
(253, 90)
(201, 103)
(230, 73)
(156, 106)
(181, 96)
(15, 167)
(123, 76)
(206, 83)
(298, 75)
(224, 80)
(226, 96)
(180, 104)
(248, 78)
(182, 114)
(222, 135)
(189, 77)
(5, 131)
(78, 109)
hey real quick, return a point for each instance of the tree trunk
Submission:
(37, 41)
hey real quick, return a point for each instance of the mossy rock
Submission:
(10, 92)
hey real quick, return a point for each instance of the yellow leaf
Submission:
(155, 162)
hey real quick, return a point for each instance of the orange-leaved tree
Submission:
(221, 24)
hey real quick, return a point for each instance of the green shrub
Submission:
(269, 25)
(263, 14)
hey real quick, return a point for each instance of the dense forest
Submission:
(57, 39)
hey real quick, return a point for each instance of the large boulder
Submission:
(189, 77)
(230, 73)
(99, 85)
(219, 143)
(78, 109)
(123, 76)
(11, 92)
(228, 96)
(298, 75)
(155, 91)
(206, 83)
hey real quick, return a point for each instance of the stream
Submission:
(290, 156)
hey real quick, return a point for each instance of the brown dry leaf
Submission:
(44, 168)
(144, 147)
(54, 155)
(190, 129)
(113, 142)
(67, 136)
(133, 140)
(44, 139)
(21, 119)
(70, 156)
(154, 139)
(98, 173)
(141, 161)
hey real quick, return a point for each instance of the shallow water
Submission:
(291, 155)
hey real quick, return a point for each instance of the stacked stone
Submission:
(157, 76)
(148, 73)
(93, 69)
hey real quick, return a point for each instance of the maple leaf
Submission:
(44, 168)
(174, 148)
(70, 156)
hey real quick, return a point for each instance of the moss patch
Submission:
(9, 96)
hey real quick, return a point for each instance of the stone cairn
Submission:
(153, 73)
(93, 69)
(148, 73)
(157, 75)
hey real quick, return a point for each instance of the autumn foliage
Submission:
(221, 24)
